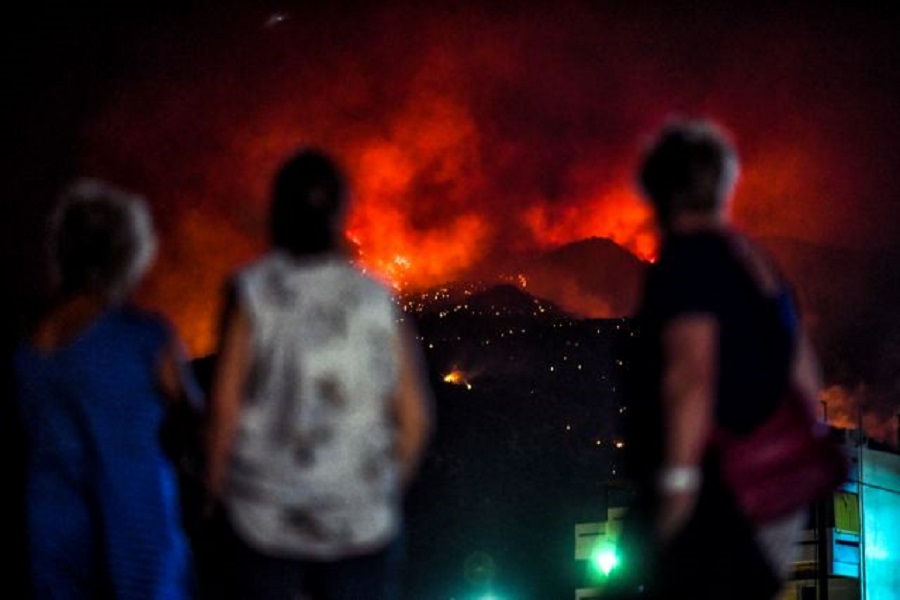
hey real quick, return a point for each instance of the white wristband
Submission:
(679, 479)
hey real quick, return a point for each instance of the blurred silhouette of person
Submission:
(720, 341)
(320, 408)
(95, 380)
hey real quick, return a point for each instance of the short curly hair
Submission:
(101, 239)
(690, 166)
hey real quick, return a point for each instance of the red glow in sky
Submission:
(474, 137)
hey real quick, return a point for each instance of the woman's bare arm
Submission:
(232, 368)
(689, 375)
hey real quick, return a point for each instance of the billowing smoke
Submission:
(865, 409)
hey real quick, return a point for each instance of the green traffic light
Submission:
(605, 559)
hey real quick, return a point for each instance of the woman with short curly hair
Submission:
(721, 342)
(95, 379)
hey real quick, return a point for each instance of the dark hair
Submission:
(308, 200)
(101, 239)
(691, 166)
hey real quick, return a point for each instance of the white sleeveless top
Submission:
(314, 470)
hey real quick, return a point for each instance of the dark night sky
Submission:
(473, 135)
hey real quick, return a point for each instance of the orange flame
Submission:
(849, 409)
(618, 215)
(457, 377)
(415, 259)
(410, 238)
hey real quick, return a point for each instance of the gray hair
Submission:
(101, 239)
(690, 166)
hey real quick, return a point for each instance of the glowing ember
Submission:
(457, 377)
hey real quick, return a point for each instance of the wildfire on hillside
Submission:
(470, 138)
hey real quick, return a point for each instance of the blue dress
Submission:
(103, 506)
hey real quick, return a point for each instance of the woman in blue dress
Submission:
(95, 379)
